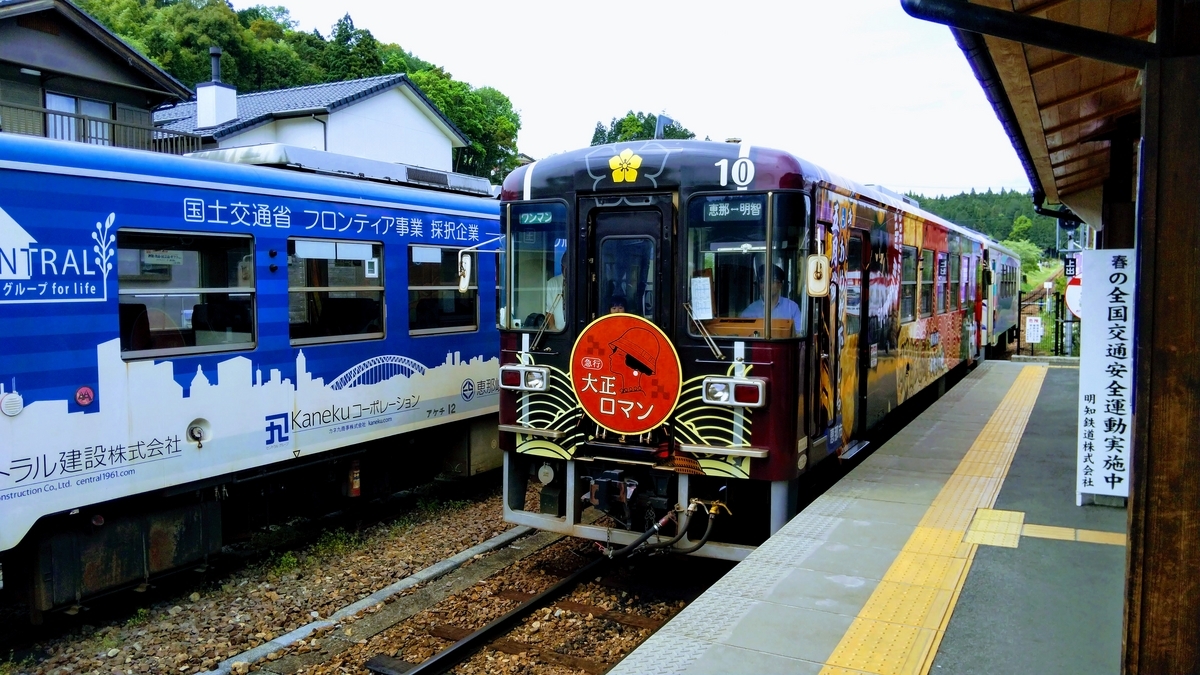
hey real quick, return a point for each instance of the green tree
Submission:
(263, 51)
(351, 53)
(994, 214)
(636, 127)
(1020, 229)
(1031, 255)
(396, 60)
(484, 115)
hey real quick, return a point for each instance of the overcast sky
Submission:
(856, 86)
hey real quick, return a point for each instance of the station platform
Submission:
(956, 547)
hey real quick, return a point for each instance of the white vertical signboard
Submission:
(1105, 373)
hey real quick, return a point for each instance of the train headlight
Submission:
(747, 392)
(525, 378)
(535, 380)
(716, 392)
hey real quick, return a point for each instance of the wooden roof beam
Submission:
(1129, 107)
(1086, 169)
(1064, 60)
(1078, 158)
(1056, 35)
(1068, 190)
(1084, 93)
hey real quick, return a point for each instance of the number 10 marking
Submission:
(743, 172)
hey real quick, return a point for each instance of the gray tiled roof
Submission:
(263, 106)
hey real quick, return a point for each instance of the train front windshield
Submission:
(747, 279)
(535, 292)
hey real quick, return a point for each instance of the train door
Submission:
(984, 280)
(858, 319)
(628, 256)
(843, 314)
(851, 366)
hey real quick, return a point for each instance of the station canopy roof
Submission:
(1064, 107)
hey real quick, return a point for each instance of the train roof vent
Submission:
(417, 175)
(319, 161)
(895, 195)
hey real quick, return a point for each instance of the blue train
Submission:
(176, 329)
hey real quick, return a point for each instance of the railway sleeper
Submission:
(386, 665)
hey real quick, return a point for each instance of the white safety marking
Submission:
(529, 181)
(525, 360)
(739, 413)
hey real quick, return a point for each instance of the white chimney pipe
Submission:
(216, 102)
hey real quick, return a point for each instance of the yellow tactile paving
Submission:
(1097, 537)
(1048, 532)
(996, 528)
(939, 541)
(924, 569)
(909, 605)
(898, 630)
(1006, 530)
(883, 648)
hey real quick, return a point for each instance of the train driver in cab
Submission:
(556, 287)
(781, 307)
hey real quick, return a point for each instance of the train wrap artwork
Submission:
(662, 357)
(170, 322)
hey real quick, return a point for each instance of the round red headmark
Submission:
(626, 373)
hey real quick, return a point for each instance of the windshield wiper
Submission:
(712, 344)
(542, 328)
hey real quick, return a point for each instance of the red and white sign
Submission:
(1073, 295)
(626, 373)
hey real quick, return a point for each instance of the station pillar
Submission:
(1162, 608)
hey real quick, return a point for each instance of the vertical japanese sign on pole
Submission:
(1105, 373)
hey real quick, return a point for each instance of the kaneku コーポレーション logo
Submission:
(278, 428)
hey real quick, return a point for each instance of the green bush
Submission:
(1031, 255)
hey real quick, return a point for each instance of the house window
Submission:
(926, 282)
(908, 284)
(183, 294)
(335, 291)
(435, 304)
(26, 119)
(80, 121)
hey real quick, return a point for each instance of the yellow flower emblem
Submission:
(624, 166)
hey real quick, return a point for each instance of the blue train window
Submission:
(183, 294)
(435, 304)
(335, 290)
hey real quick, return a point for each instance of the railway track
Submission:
(1039, 292)
(545, 604)
(466, 642)
(539, 630)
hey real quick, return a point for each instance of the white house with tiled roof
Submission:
(384, 118)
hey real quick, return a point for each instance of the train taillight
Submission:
(748, 394)
(739, 393)
(525, 378)
(510, 379)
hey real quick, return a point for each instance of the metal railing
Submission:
(1053, 309)
(34, 121)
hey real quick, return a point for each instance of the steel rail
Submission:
(445, 660)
